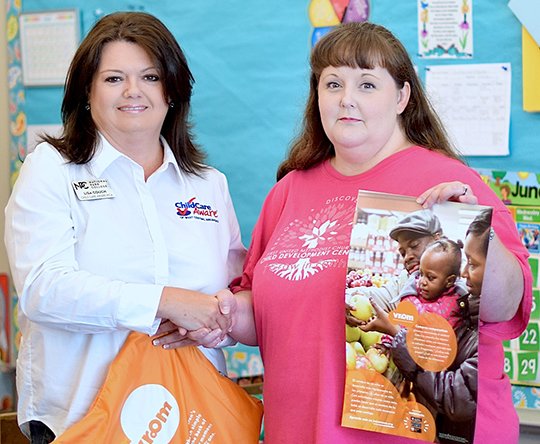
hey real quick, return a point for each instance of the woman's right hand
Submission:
(192, 310)
(237, 309)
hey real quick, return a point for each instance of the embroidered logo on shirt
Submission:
(196, 210)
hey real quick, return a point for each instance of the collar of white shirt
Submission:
(106, 154)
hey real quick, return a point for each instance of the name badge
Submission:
(92, 189)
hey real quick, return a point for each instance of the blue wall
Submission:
(249, 59)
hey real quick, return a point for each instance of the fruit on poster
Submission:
(350, 356)
(363, 310)
(352, 334)
(378, 359)
(369, 338)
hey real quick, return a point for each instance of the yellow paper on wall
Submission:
(531, 72)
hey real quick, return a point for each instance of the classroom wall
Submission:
(250, 82)
(4, 140)
(250, 62)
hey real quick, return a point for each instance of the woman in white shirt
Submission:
(116, 225)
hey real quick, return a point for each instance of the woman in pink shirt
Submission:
(367, 125)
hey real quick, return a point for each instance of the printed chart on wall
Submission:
(473, 102)
(48, 41)
(412, 318)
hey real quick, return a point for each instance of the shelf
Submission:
(529, 417)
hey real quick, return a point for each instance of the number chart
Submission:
(48, 42)
(522, 355)
(520, 191)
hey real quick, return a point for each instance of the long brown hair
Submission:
(364, 45)
(79, 139)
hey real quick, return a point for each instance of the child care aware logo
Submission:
(150, 415)
(192, 209)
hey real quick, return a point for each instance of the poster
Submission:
(473, 102)
(445, 29)
(48, 41)
(412, 318)
(514, 188)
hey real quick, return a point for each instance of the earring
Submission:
(171, 104)
(87, 107)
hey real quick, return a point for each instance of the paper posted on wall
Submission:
(412, 300)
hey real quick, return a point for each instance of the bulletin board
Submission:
(250, 63)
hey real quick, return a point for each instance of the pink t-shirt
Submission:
(296, 268)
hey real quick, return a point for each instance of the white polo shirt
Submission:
(91, 248)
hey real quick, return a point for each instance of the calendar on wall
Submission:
(522, 355)
(48, 43)
(520, 191)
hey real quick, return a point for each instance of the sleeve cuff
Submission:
(138, 307)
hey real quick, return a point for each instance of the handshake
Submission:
(194, 318)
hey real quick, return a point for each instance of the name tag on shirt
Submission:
(92, 189)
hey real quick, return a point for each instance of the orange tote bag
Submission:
(156, 396)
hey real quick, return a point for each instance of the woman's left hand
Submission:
(171, 336)
(453, 191)
(168, 333)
